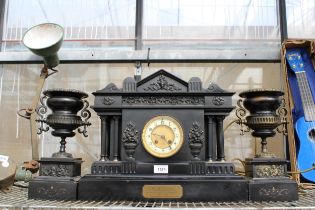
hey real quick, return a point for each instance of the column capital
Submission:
(220, 117)
(103, 117)
(116, 117)
(210, 116)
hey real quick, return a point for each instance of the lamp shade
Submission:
(45, 40)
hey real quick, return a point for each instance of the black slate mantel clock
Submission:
(162, 139)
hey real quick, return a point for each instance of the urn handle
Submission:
(240, 113)
(85, 114)
(282, 112)
(41, 110)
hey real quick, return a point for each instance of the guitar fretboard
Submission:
(306, 96)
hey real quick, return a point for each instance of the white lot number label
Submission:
(161, 169)
(4, 160)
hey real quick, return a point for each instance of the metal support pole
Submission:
(282, 15)
(139, 24)
(281, 4)
(2, 19)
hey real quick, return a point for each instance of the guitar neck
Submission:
(306, 96)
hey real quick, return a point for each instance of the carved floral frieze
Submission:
(171, 100)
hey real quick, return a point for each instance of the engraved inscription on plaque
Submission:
(162, 191)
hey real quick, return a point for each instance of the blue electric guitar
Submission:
(304, 126)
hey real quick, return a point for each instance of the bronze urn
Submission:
(64, 105)
(263, 118)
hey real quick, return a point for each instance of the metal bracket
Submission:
(138, 71)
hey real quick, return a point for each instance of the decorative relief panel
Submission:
(196, 139)
(269, 171)
(111, 88)
(56, 170)
(214, 88)
(130, 139)
(162, 84)
(51, 191)
(273, 191)
(153, 100)
(108, 100)
(218, 101)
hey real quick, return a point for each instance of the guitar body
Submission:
(300, 63)
(306, 154)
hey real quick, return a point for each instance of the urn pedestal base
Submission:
(282, 189)
(260, 167)
(60, 167)
(56, 180)
(269, 180)
(53, 188)
(163, 188)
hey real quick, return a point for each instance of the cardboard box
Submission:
(310, 45)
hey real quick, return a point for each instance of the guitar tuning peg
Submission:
(293, 66)
(301, 64)
(290, 58)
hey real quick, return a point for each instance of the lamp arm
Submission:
(41, 81)
(30, 111)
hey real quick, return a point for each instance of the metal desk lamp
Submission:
(44, 40)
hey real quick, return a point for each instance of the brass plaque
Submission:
(162, 191)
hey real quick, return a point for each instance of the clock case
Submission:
(197, 172)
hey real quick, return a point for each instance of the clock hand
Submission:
(154, 134)
(160, 136)
(169, 142)
(163, 138)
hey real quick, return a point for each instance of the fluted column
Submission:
(111, 137)
(220, 138)
(211, 140)
(116, 137)
(104, 138)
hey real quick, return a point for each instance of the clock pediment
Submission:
(162, 90)
(162, 81)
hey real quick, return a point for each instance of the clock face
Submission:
(162, 136)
